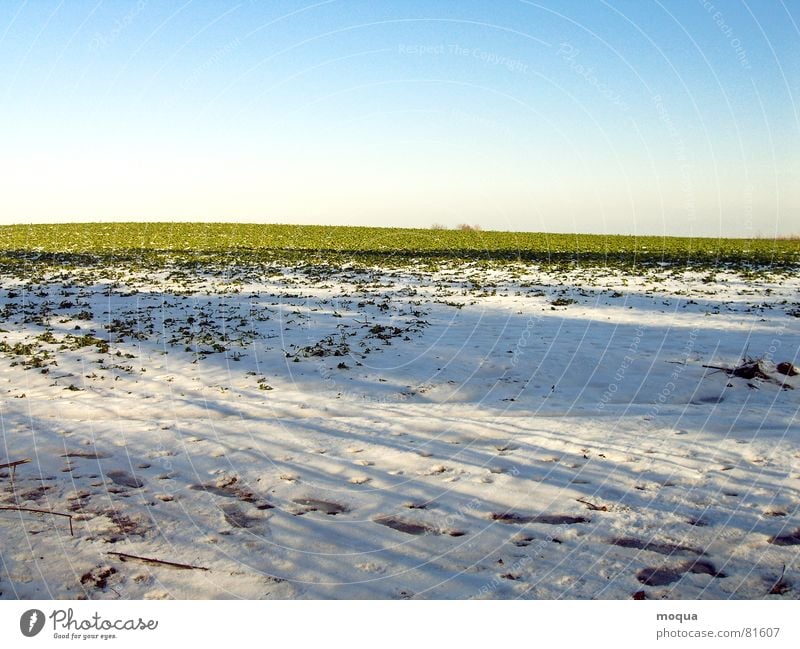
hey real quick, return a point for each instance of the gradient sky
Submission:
(621, 116)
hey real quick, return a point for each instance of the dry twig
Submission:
(159, 562)
(41, 511)
(592, 506)
(13, 465)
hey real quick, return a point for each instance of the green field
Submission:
(102, 242)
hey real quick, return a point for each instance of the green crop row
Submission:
(116, 240)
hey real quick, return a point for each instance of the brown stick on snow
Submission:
(13, 465)
(592, 506)
(747, 370)
(42, 511)
(160, 562)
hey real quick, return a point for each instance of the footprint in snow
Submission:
(666, 575)
(505, 449)
(658, 576)
(512, 518)
(793, 538)
(415, 529)
(98, 577)
(652, 546)
(87, 455)
(774, 513)
(125, 479)
(710, 399)
(697, 521)
(235, 517)
(324, 506)
(229, 487)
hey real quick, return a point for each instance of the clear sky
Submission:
(618, 116)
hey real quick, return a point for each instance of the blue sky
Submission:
(631, 116)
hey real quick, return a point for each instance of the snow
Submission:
(312, 432)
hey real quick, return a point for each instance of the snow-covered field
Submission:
(343, 433)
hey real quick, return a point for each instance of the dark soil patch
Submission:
(697, 522)
(666, 575)
(126, 526)
(786, 539)
(788, 369)
(125, 479)
(231, 488)
(712, 399)
(87, 455)
(659, 576)
(780, 587)
(558, 519)
(660, 548)
(512, 518)
(98, 577)
(416, 529)
(703, 567)
(213, 489)
(235, 517)
(35, 494)
(314, 505)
